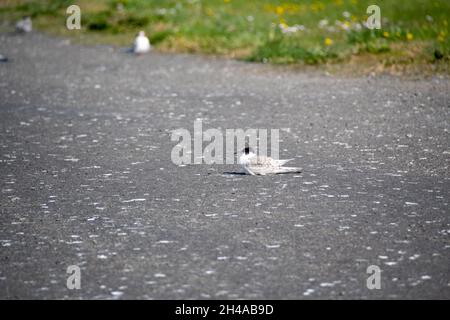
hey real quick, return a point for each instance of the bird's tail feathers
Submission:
(281, 162)
(288, 170)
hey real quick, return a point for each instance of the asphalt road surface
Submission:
(87, 180)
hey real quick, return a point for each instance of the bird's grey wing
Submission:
(266, 165)
(262, 162)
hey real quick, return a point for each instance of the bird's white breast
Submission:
(245, 159)
(142, 44)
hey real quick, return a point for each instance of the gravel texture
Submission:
(87, 179)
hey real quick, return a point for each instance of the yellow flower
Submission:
(386, 34)
(279, 10)
(328, 41)
(409, 36)
(226, 1)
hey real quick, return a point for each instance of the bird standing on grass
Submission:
(141, 44)
(260, 165)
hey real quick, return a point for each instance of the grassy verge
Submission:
(309, 32)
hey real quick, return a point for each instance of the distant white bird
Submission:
(141, 44)
(259, 165)
(24, 25)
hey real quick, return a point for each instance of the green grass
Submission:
(329, 31)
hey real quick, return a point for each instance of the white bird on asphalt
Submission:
(260, 165)
(141, 44)
(24, 25)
